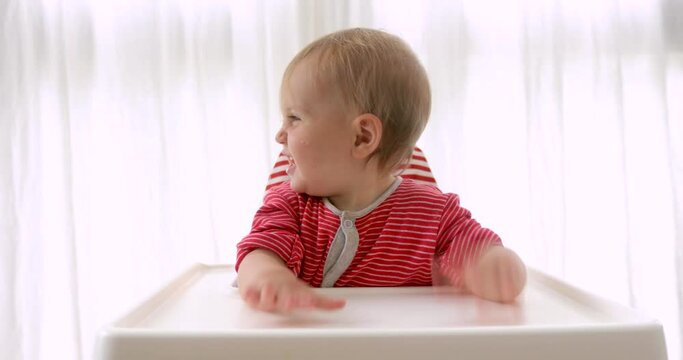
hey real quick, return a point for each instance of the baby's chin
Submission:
(298, 186)
(301, 187)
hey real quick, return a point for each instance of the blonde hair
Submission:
(379, 74)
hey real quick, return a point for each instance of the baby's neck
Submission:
(363, 194)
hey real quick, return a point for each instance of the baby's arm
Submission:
(472, 257)
(270, 257)
(266, 284)
(498, 275)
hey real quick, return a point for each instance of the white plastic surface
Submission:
(200, 316)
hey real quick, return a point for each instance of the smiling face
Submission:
(316, 133)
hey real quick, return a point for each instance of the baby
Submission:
(354, 104)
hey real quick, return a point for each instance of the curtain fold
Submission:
(136, 139)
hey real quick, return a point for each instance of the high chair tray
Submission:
(201, 316)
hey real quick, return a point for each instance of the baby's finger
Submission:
(252, 297)
(286, 301)
(326, 303)
(301, 299)
(507, 287)
(306, 300)
(268, 298)
(515, 279)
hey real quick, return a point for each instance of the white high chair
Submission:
(201, 316)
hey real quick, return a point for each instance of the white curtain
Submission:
(136, 138)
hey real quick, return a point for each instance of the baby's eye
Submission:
(293, 118)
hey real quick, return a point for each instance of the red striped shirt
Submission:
(416, 230)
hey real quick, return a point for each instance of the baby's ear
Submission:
(368, 130)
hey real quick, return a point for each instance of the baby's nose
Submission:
(281, 136)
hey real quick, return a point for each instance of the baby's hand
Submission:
(498, 275)
(282, 293)
(266, 284)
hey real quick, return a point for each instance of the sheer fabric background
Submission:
(136, 139)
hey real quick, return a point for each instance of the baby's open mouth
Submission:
(292, 165)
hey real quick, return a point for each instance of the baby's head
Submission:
(371, 71)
